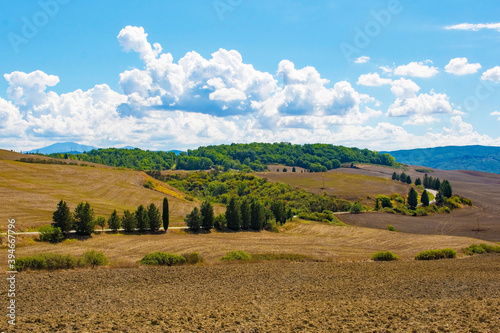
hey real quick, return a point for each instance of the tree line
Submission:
(83, 221)
(242, 157)
(241, 213)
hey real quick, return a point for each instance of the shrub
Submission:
(93, 258)
(193, 258)
(50, 234)
(444, 210)
(384, 256)
(149, 184)
(46, 261)
(272, 226)
(396, 197)
(162, 258)
(481, 248)
(436, 254)
(236, 255)
(420, 211)
(385, 201)
(356, 208)
(391, 228)
(388, 210)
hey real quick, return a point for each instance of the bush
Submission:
(193, 258)
(444, 210)
(384, 256)
(50, 234)
(272, 226)
(46, 261)
(356, 208)
(391, 228)
(436, 254)
(162, 258)
(236, 255)
(93, 258)
(384, 200)
(420, 211)
(149, 184)
(481, 248)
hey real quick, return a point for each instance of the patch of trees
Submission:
(220, 187)
(42, 161)
(243, 157)
(403, 178)
(241, 214)
(431, 182)
(82, 220)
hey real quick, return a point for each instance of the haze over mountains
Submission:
(476, 158)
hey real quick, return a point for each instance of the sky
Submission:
(162, 75)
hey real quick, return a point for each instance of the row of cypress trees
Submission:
(82, 219)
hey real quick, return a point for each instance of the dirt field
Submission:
(483, 188)
(460, 295)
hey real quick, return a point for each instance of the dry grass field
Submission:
(316, 240)
(350, 184)
(30, 192)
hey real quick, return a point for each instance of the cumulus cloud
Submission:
(423, 104)
(416, 69)
(495, 114)
(197, 101)
(461, 66)
(474, 27)
(492, 74)
(362, 60)
(372, 80)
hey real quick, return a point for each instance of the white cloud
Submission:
(416, 69)
(460, 66)
(197, 101)
(386, 69)
(421, 120)
(362, 60)
(423, 104)
(474, 27)
(372, 80)
(495, 114)
(492, 74)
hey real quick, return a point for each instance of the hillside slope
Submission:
(476, 158)
(30, 191)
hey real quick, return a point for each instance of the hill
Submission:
(246, 157)
(63, 147)
(476, 158)
(30, 191)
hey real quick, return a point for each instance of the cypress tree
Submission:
(141, 218)
(128, 221)
(233, 217)
(114, 222)
(62, 217)
(245, 214)
(84, 218)
(154, 218)
(425, 199)
(408, 179)
(418, 181)
(193, 220)
(257, 215)
(413, 198)
(165, 216)
(207, 213)
(445, 189)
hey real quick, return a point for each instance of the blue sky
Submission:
(383, 75)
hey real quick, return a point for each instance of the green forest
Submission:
(242, 157)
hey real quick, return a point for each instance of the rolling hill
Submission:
(476, 158)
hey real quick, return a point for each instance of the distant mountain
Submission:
(477, 158)
(64, 147)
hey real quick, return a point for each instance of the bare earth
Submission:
(441, 296)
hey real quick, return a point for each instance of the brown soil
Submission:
(481, 187)
(460, 295)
